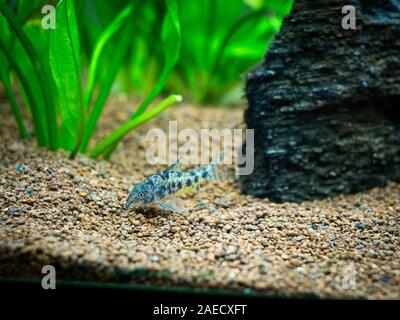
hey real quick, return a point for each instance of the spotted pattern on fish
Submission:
(169, 184)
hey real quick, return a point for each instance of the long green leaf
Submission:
(27, 78)
(235, 27)
(41, 42)
(5, 77)
(40, 71)
(38, 121)
(26, 7)
(118, 134)
(66, 69)
(114, 62)
(171, 39)
(114, 26)
(34, 102)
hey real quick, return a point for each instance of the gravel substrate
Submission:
(69, 214)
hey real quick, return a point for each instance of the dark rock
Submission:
(324, 103)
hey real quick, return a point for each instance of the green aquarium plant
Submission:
(61, 78)
(221, 40)
(48, 67)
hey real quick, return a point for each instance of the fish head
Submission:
(140, 195)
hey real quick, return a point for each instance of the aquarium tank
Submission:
(170, 151)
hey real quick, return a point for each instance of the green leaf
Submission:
(231, 33)
(171, 39)
(65, 66)
(104, 38)
(38, 121)
(42, 40)
(26, 7)
(49, 126)
(111, 62)
(243, 52)
(30, 89)
(5, 77)
(128, 126)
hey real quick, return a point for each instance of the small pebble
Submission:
(21, 168)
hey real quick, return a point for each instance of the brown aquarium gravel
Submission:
(69, 214)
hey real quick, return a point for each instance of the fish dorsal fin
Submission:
(174, 167)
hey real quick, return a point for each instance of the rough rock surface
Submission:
(324, 103)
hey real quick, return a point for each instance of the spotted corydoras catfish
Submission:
(165, 187)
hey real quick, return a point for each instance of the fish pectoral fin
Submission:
(174, 205)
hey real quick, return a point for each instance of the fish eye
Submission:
(140, 195)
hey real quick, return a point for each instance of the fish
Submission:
(165, 188)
